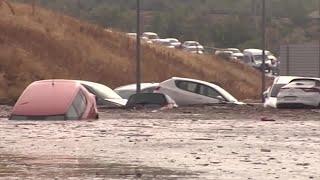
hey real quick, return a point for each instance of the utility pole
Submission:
(263, 43)
(138, 50)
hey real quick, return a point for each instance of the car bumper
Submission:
(297, 102)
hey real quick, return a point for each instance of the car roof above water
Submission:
(134, 86)
(47, 97)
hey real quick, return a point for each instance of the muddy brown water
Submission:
(204, 142)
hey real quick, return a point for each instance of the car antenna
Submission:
(52, 83)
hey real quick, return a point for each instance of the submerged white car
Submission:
(299, 92)
(272, 92)
(128, 90)
(105, 97)
(185, 91)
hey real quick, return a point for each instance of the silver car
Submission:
(185, 91)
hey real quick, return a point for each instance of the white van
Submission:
(253, 57)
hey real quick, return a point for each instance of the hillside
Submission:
(51, 45)
(215, 23)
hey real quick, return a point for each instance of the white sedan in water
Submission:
(299, 93)
(186, 91)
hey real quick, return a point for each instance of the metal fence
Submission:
(300, 59)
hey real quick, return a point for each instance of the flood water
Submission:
(186, 143)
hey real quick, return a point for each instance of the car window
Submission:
(146, 99)
(275, 89)
(80, 103)
(187, 86)
(208, 91)
(149, 90)
(78, 106)
(101, 91)
(246, 59)
(72, 114)
(297, 83)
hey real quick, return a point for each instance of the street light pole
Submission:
(263, 75)
(138, 50)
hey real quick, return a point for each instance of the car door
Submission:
(187, 93)
(210, 95)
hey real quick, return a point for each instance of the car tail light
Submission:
(310, 89)
(284, 88)
(157, 89)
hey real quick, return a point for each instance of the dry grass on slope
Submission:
(50, 45)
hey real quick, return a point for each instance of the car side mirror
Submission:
(221, 98)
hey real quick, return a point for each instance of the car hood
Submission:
(121, 102)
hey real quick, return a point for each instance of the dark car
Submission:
(150, 100)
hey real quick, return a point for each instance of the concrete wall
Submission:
(300, 59)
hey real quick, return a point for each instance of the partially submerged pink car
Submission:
(55, 100)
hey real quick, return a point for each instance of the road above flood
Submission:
(210, 142)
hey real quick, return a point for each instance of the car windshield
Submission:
(104, 92)
(173, 40)
(259, 58)
(193, 44)
(275, 89)
(234, 50)
(125, 94)
(165, 43)
(153, 37)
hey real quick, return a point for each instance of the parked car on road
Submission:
(55, 100)
(237, 57)
(128, 90)
(174, 42)
(151, 100)
(233, 50)
(132, 35)
(164, 42)
(105, 97)
(193, 50)
(227, 55)
(185, 91)
(301, 92)
(192, 44)
(151, 36)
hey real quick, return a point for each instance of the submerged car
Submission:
(185, 91)
(272, 92)
(128, 90)
(150, 100)
(299, 92)
(55, 100)
(105, 97)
